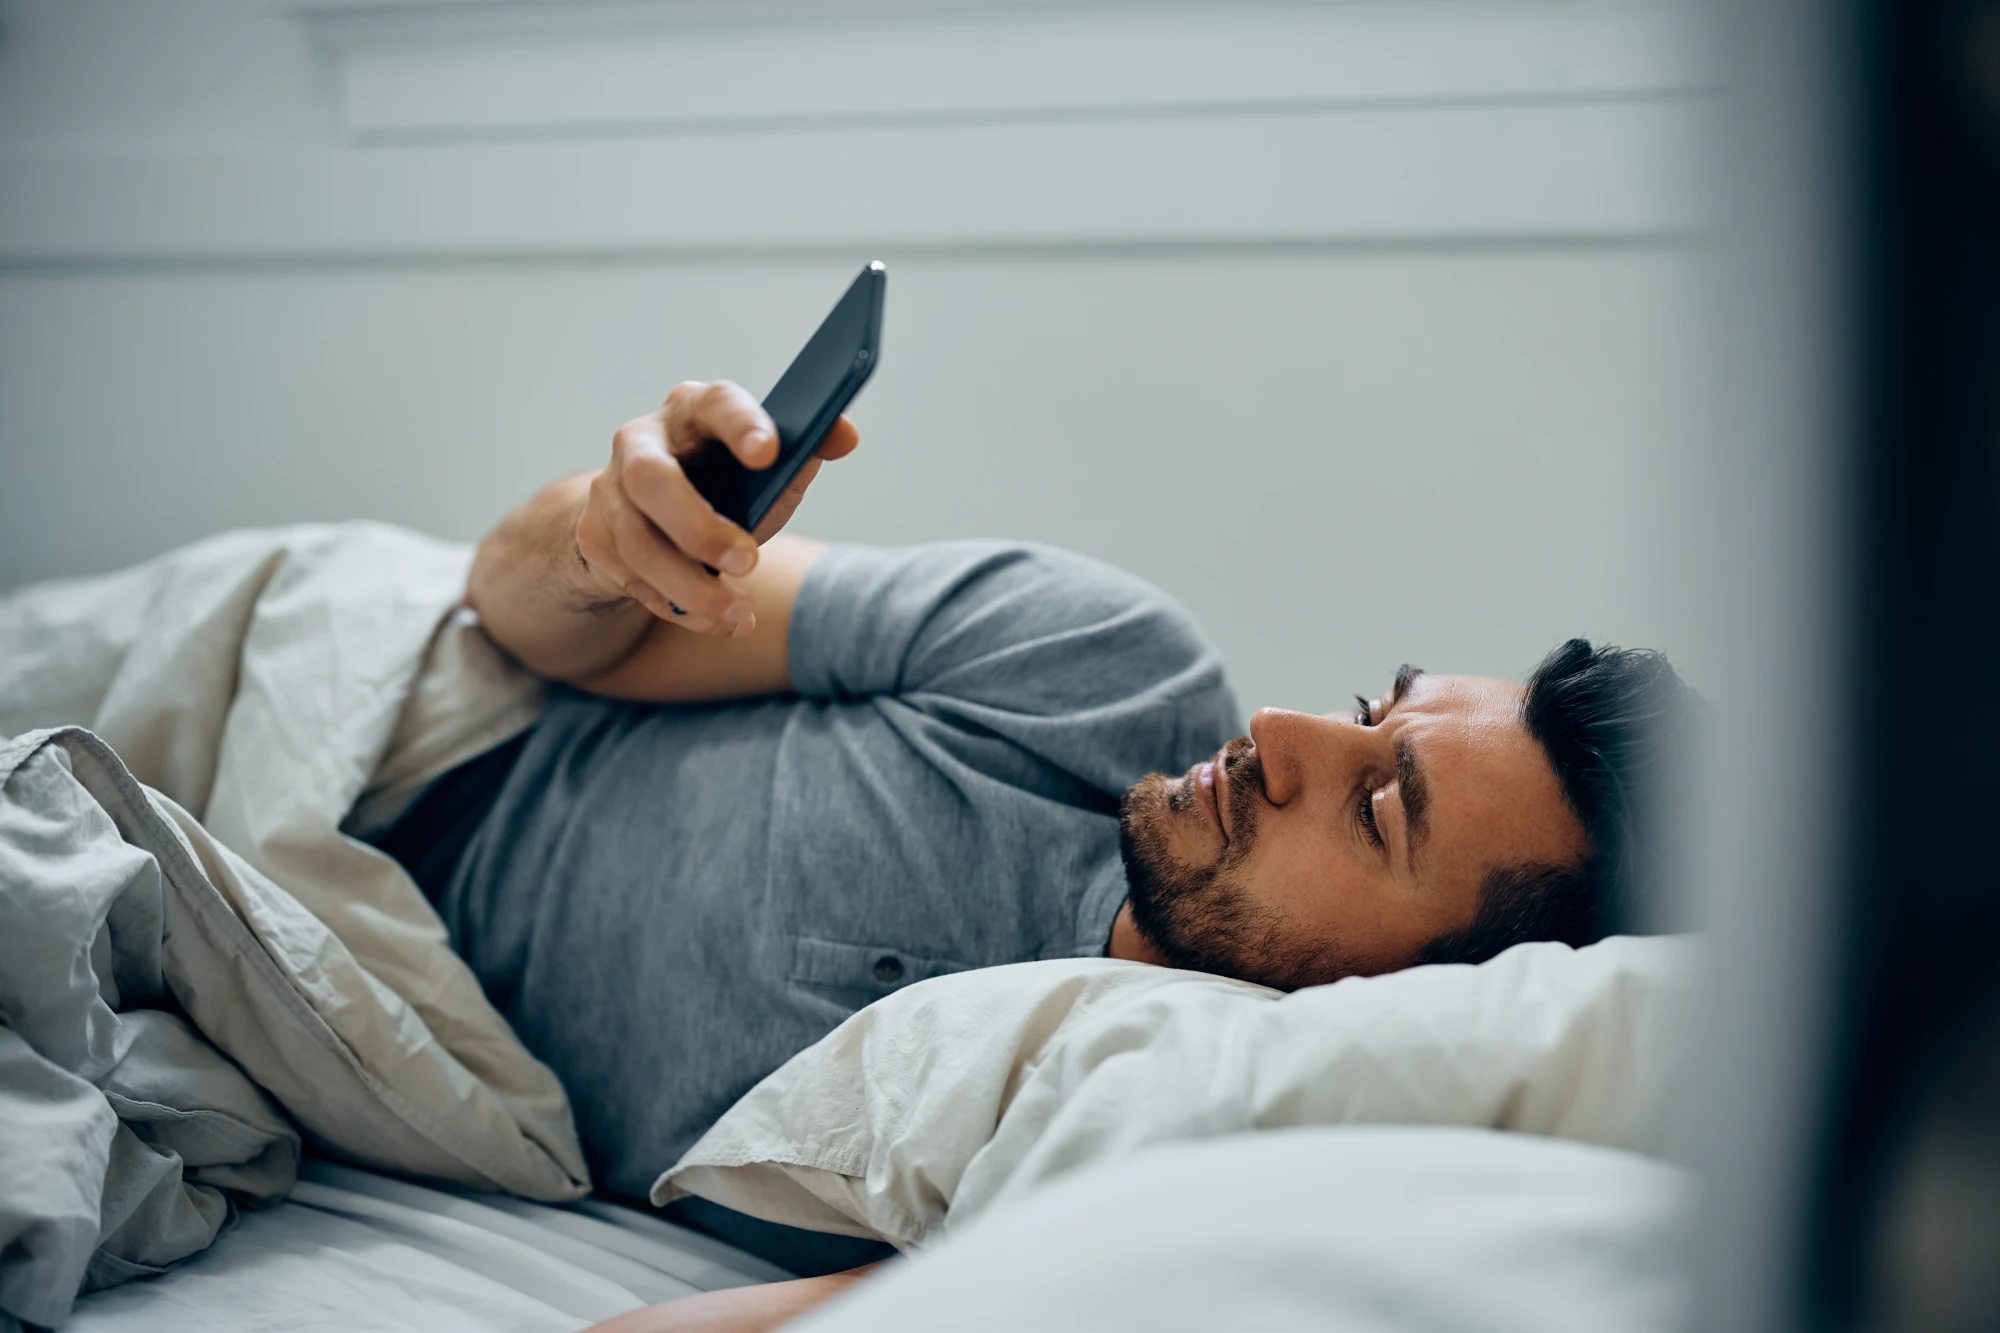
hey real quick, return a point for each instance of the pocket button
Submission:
(888, 969)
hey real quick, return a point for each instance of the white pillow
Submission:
(1349, 1227)
(944, 1097)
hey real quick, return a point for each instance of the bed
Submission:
(210, 971)
(1418, 1228)
(357, 1250)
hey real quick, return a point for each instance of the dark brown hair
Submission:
(1612, 722)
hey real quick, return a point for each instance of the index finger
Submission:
(840, 441)
(697, 413)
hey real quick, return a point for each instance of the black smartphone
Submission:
(807, 399)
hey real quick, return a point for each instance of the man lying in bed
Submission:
(887, 764)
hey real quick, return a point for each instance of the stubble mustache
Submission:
(1244, 773)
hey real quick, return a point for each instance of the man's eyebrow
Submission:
(1416, 795)
(1405, 675)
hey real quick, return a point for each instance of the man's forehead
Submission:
(1491, 781)
(1482, 698)
(1469, 735)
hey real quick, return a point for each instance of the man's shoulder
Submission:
(1097, 617)
(1025, 575)
(1009, 624)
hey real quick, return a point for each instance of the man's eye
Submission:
(1364, 811)
(1365, 715)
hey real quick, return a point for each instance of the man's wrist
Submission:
(576, 583)
(582, 592)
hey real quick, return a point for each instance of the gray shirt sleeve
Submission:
(1083, 665)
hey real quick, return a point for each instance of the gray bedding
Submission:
(129, 1138)
(199, 968)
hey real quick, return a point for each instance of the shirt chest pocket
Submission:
(857, 974)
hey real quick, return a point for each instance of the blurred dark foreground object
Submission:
(1904, 1227)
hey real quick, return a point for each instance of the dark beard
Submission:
(1200, 917)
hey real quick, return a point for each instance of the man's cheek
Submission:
(1289, 875)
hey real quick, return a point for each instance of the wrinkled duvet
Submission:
(199, 967)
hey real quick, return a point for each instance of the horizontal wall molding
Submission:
(142, 264)
(485, 130)
(1520, 172)
(459, 71)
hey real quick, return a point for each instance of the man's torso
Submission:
(668, 902)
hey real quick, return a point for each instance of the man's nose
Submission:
(1292, 745)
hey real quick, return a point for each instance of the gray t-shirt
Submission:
(669, 902)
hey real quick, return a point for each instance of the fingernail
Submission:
(753, 440)
(736, 560)
(743, 627)
(739, 612)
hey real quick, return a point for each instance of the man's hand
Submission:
(645, 532)
(598, 580)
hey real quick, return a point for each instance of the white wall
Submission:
(1363, 329)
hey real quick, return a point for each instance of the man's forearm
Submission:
(755, 1309)
(536, 598)
(627, 582)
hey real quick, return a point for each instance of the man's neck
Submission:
(1127, 943)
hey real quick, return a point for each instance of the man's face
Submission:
(1326, 846)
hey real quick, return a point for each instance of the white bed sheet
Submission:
(354, 1250)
